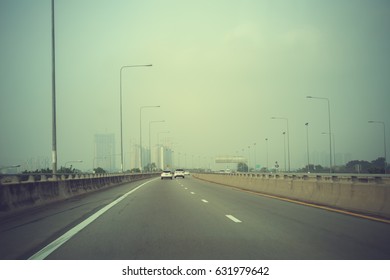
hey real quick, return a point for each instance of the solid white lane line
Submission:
(205, 201)
(46, 251)
(234, 219)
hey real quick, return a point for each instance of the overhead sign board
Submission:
(230, 159)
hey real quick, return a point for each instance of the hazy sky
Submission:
(221, 70)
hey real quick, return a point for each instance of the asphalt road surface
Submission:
(188, 219)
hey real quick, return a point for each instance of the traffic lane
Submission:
(23, 233)
(160, 221)
(302, 232)
(165, 221)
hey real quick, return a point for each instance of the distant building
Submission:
(105, 156)
(164, 157)
(135, 155)
(160, 155)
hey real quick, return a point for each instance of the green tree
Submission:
(242, 167)
(360, 166)
(99, 170)
(41, 171)
(377, 166)
(150, 167)
(135, 170)
(314, 169)
(66, 170)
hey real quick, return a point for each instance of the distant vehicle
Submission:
(179, 173)
(166, 174)
(186, 173)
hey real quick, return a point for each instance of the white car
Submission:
(179, 173)
(166, 174)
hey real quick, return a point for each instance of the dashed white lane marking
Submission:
(192, 193)
(186, 188)
(205, 201)
(234, 219)
(46, 251)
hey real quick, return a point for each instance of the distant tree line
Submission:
(98, 170)
(376, 166)
(62, 170)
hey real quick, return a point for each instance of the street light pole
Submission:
(384, 139)
(120, 103)
(266, 143)
(284, 145)
(254, 145)
(140, 132)
(54, 114)
(288, 139)
(249, 157)
(307, 141)
(330, 130)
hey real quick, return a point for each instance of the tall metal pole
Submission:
(330, 138)
(140, 139)
(254, 145)
(334, 151)
(266, 143)
(288, 140)
(330, 131)
(120, 103)
(288, 145)
(249, 157)
(307, 146)
(384, 144)
(54, 118)
(284, 145)
(384, 140)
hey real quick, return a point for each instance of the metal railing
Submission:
(335, 177)
(6, 179)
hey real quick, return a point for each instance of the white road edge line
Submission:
(205, 201)
(234, 219)
(46, 251)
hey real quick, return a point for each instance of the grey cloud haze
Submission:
(221, 70)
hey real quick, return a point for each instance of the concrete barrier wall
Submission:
(21, 192)
(369, 195)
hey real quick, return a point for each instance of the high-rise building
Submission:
(135, 157)
(160, 155)
(164, 157)
(105, 156)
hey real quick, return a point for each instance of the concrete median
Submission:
(367, 195)
(23, 192)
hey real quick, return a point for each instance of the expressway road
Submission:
(188, 219)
